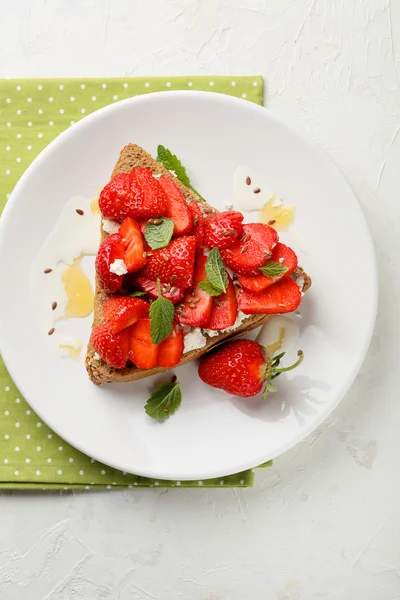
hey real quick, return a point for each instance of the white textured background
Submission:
(324, 522)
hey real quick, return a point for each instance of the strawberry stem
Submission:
(300, 354)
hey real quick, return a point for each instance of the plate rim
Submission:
(374, 284)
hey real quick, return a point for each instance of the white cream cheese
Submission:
(239, 320)
(110, 226)
(118, 267)
(194, 340)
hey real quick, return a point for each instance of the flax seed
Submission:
(246, 238)
(80, 211)
(271, 222)
(51, 331)
(47, 271)
(257, 191)
(192, 305)
(196, 221)
(243, 249)
(54, 306)
(248, 180)
(144, 254)
(232, 231)
(226, 233)
(173, 378)
(184, 315)
(157, 221)
(173, 290)
(229, 251)
(174, 278)
(196, 300)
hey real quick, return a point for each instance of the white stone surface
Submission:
(324, 522)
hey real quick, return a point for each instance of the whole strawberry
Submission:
(241, 368)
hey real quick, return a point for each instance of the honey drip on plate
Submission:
(277, 345)
(78, 290)
(276, 211)
(94, 205)
(73, 352)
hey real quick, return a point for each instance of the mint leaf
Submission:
(137, 294)
(172, 163)
(208, 288)
(217, 279)
(164, 401)
(159, 236)
(273, 269)
(161, 314)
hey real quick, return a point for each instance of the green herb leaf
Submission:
(217, 278)
(208, 288)
(161, 315)
(159, 236)
(137, 294)
(273, 269)
(172, 163)
(164, 401)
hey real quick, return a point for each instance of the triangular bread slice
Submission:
(99, 372)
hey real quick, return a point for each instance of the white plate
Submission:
(211, 435)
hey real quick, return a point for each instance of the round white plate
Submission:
(211, 434)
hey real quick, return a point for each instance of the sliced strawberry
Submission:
(170, 350)
(198, 224)
(169, 291)
(175, 263)
(224, 309)
(134, 256)
(111, 249)
(281, 254)
(119, 312)
(177, 207)
(142, 352)
(223, 230)
(113, 348)
(115, 200)
(252, 250)
(196, 309)
(282, 297)
(148, 198)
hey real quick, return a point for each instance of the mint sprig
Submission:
(273, 269)
(164, 401)
(172, 163)
(216, 280)
(161, 313)
(158, 235)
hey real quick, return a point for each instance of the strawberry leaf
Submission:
(161, 315)
(217, 279)
(164, 401)
(159, 236)
(273, 269)
(172, 163)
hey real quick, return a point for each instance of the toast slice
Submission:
(99, 372)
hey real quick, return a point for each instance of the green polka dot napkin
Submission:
(32, 113)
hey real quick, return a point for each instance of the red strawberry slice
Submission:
(224, 309)
(223, 230)
(115, 200)
(281, 254)
(119, 312)
(170, 350)
(177, 207)
(113, 348)
(252, 250)
(142, 352)
(148, 198)
(198, 224)
(282, 297)
(111, 249)
(169, 291)
(134, 255)
(196, 309)
(173, 264)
